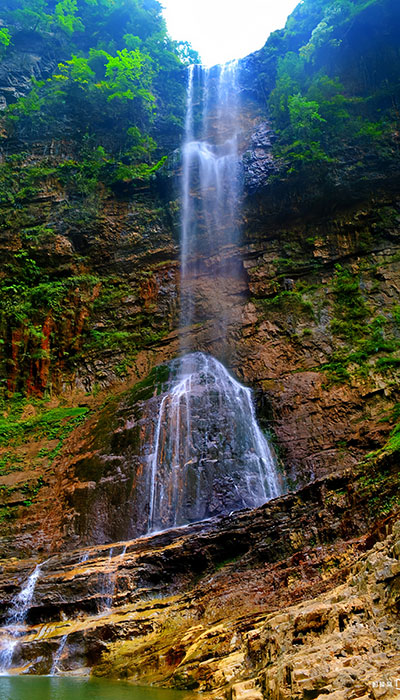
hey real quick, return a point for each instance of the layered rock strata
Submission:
(293, 599)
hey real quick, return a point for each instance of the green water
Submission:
(46, 688)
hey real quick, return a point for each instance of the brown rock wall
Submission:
(298, 598)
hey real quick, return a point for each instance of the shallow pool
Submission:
(48, 688)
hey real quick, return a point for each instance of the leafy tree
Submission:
(129, 75)
(118, 71)
(304, 116)
(31, 15)
(77, 70)
(5, 39)
(5, 36)
(65, 16)
(316, 112)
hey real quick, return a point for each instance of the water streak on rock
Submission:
(58, 654)
(15, 621)
(110, 580)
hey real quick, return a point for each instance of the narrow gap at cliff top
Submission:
(221, 30)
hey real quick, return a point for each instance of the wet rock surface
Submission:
(32, 57)
(258, 162)
(298, 596)
(193, 416)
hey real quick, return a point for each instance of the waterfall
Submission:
(58, 654)
(15, 620)
(211, 190)
(107, 588)
(209, 455)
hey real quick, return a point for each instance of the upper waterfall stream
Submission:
(211, 190)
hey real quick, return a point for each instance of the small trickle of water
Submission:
(110, 581)
(210, 456)
(15, 620)
(107, 589)
(57, 656)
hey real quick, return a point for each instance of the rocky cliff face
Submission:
(238, 607)
(263, 603)
(314, 328)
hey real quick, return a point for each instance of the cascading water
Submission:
(58, 655)
(209, 455)
(107, 589)
(16, 620)
(110, 580)
(211, 189)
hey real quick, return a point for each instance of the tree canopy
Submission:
(332, 75)
(118, 80)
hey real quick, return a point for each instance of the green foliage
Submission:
(77, 70)
(393, 444)
(111, 340)
(51, 424)
(125, 76)
(119, 69)
(82, 176)
(287, 300)
(396, 314)
(129, 76)
(26, 106)
(388, 362)
(349, 307)
(20, 183)
(5, 38)
(117, 72)
(65, 16)
(124, 341)
(369, 346)
(30, 302)
(379, 480)
(32, 15)
(8, 513)
(49, 427)
(303, 115)
(336, 369)
(331, 92)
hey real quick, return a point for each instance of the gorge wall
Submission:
(296, 338)
(314, 329)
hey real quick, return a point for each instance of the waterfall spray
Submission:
(16, 617)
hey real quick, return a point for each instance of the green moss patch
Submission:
(47, 429)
